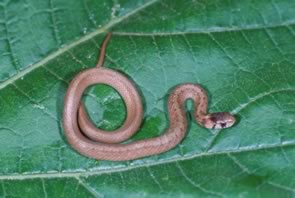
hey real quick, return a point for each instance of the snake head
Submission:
(220, 120)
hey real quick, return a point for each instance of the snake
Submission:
(99, 144)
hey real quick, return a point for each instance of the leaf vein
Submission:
(171, 160)
(60, 51)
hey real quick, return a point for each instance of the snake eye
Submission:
(223, 124)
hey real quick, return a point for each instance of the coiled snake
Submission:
(99, 144)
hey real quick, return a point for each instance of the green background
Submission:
(241, 52)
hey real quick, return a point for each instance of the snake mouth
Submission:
(222, 125)
(219, 126)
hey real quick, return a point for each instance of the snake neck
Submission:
(176, 104)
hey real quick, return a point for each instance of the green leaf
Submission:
(241, 52)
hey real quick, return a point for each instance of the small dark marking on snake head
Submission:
(213, 119)
(223, 124)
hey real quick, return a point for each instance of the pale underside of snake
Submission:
(105, 145)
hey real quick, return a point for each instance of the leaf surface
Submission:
(241, 52)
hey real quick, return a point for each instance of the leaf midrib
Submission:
(155, 163)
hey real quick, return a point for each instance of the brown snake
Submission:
(99, 144)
